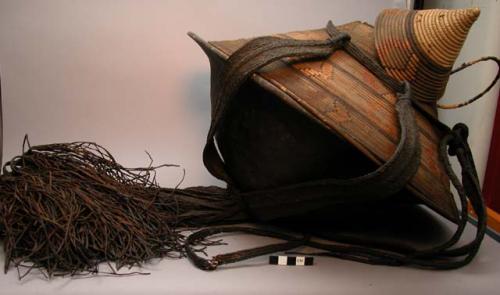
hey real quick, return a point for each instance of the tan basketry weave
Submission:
(422, 46)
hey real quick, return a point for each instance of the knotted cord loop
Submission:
(461, 134)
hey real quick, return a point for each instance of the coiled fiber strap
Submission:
(386, 180)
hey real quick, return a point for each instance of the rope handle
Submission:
(481, 94)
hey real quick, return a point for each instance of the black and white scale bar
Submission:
(290, 260)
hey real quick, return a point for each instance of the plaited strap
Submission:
(388, 179)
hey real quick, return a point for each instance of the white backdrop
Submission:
(125, 74)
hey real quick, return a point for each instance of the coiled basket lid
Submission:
(421, 46)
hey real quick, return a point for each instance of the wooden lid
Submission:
(421, 46)
(343, 96)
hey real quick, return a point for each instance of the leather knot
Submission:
(405, 92)
(460, 134)
(340, 39)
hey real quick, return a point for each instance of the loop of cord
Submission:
(482, 93)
